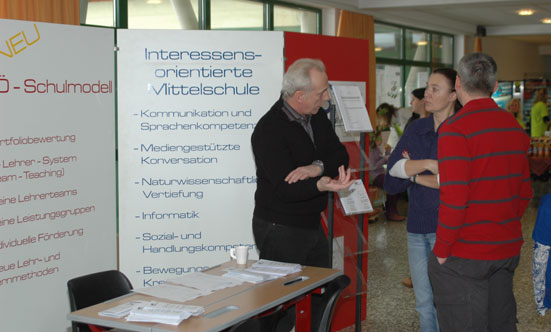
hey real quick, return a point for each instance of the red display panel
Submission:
(346, 59)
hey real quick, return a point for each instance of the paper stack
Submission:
(153, 311)
(244, 275)
(173, 292)
(122, 309)
(273, 268)
(164, 313)
(204, 281)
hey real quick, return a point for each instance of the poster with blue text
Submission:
(188, 103)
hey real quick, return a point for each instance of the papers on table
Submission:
(189, 286)
(153, 311)
(355, 200)
(204, 281)
(164, 313)
(273, 268)
(173, 292)
(263, 270)
(244, 275)
(121, 310)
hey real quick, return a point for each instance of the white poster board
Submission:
(57, 174)
(188, 103)
(389, 84)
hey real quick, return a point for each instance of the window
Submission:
(388, 41)
(99, 12)
(295, 19)
(410, 54)
(208, 14)
(162, 14)
(417, 45)
(236, 15)
(442, 49)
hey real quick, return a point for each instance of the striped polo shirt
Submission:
(484, 183)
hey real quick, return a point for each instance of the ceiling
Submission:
(462, 17)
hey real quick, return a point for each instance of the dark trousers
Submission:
(474, 295)
(291, 244)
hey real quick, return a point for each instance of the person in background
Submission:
(417, 106)
(539, 116)
(413, 166)
(484, 190)
(513, 107)
(394, 120)
(384, 114)
(377, 160)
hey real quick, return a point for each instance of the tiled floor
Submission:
(391, 306)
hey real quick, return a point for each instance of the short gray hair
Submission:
(478, 73)
(297, 76)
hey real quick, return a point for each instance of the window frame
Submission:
(403, 62)
(120, 13)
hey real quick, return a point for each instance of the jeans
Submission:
(419, 249)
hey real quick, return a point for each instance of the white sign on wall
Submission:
(57, 167)
(188, 103)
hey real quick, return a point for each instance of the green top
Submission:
(537, 125)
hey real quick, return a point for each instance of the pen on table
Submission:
(212, 267)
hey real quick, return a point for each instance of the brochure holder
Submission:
(346, 215)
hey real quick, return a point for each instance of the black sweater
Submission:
(280, 146)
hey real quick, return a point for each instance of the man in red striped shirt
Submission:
(484, 190)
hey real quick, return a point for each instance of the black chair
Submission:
(263, 323)
(95, 288)
(325, 304)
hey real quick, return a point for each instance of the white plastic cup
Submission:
(240, 254)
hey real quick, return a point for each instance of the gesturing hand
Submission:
(342, 182)
(303, 173)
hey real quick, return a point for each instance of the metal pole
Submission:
(359, 263)
(331, 200)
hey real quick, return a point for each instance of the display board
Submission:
(57, 174)
(188, 103)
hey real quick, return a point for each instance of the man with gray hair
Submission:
(484, 190)
(297, 156)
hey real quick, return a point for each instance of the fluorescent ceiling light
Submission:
(525, 12)
(422, 43)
